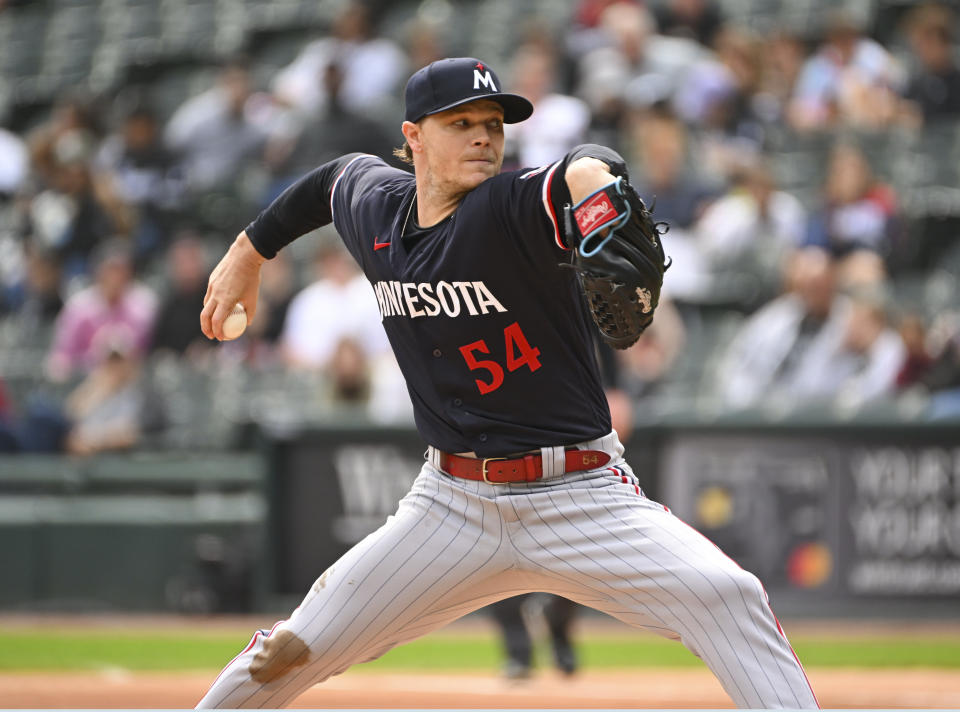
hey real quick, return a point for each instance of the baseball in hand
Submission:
(235, 323)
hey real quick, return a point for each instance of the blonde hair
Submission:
(404, 153)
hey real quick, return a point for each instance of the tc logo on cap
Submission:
(484, 78)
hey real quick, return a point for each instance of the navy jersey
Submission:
(493, 336)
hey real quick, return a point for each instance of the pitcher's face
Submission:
(462, 146)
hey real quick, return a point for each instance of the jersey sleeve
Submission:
(546, 187)
(302, 207)
(364, 201)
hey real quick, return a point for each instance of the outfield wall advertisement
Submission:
(836, 521)
(863, 514)
(830, 516)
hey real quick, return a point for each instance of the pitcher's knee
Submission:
(735, 584)
(281, 652)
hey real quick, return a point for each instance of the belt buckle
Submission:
(483, 470)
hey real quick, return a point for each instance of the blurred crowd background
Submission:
(805, 154)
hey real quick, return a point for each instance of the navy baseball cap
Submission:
(450, 82)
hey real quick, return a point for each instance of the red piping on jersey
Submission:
(333, 188)
(548, 205)
(623, 478)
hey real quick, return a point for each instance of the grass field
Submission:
(43, 649)
(167, 662)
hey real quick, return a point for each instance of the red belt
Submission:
(528, 468)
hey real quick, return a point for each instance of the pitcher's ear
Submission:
(414, 135)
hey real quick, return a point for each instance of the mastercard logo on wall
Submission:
(714, 507)
(809, 565)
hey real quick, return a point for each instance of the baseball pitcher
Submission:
(491, 287)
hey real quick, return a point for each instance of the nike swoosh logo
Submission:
(379, 245)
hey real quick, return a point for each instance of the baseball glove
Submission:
(619, 260)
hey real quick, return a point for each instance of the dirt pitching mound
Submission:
(359, 689)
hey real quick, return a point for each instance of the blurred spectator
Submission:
(861, 269)
(943, 378)
(849, 80)
(373, 67)
(425, 42)
(77, 211)
(331, 132)
(585, 33)
(933, 90)
(37, 427)
(214, 132)
(698, 20)
(36, 299)
(588, 13)
(743, 237)
(559, 122)
(177, 326)
(859, 211)
(717, 91)
(721, 97)
(42, 298)
(769, 350)
(145, 175)
(860, 367)
(338, 305)
(73, 113)
(659, 170)
(114, 300)
(917, 361)
(14, 162)
(106, 410)
(349, 370)
(337, 319)
(635, 65)
(782, 59)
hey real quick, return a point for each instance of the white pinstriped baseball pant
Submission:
(455, 545)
